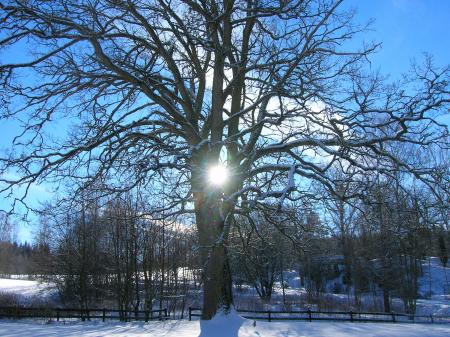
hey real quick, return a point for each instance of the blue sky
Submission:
(406, 28)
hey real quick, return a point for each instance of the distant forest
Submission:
(22, 258)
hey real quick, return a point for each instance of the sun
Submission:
(217, 175)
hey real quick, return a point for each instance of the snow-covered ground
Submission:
(434, 288)
(434, 293)
(220, 327)
(27, 291)
(23, 287)
(435, 279)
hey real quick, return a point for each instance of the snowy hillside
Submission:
(26, 291)
(436, 278)
(23, 287)
(434, 289)
(434, 294)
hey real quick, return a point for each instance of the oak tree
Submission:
(156, 92)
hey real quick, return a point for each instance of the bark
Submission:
(386, 302)
(213, 237)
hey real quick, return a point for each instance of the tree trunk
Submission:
(386, 302)
(213, 236)
(217, 294)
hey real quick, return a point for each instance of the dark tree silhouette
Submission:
(160, 91)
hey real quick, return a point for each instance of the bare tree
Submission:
(162, 90)
(342, 218)
(258, 251)
(6, 228)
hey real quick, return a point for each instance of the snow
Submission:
(233, 325)
(27, 292)
(221, 326)
(436, 278)
(434, 292)
(434, 288)
(24, 288)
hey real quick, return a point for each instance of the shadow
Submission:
(221, 326)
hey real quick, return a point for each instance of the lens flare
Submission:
(217, 175)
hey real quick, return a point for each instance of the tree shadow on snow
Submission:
(221, 326)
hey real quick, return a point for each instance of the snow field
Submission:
(219, 327)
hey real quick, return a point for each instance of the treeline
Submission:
(375, 245)
(22, 258)
(113, 255)
(116, 252)
(19, 258)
